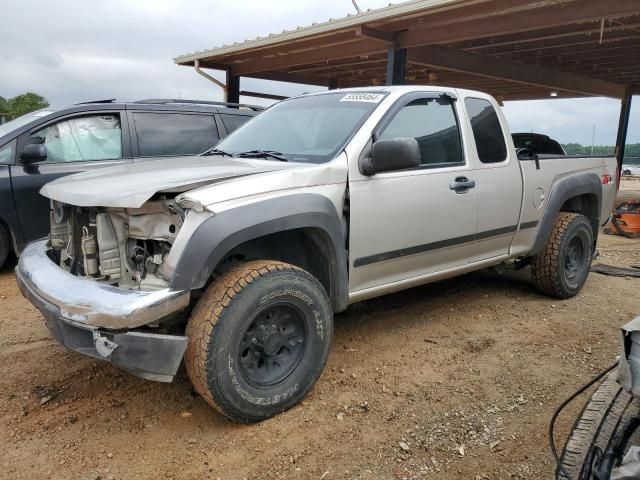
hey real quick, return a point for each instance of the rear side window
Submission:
(487, 131)
(171, 134)
(233, 122)
(90, 137)
(434, 125)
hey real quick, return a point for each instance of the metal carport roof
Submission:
(517, 49)
(513, 49)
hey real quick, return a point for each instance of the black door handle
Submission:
(462, 184)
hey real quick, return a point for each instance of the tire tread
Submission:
(596, 425)
(544, 266)
(205, 317)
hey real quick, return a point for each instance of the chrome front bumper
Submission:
(96, 319)
(89, 302)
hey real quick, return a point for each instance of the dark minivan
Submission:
(41, 146)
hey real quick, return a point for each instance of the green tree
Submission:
(25, 103)
(4, 105)
(631, 149)
(574, 149)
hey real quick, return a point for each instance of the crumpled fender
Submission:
(220, 233)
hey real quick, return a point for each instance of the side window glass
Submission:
(7, 153)
(433, 123)
(554, 148)
(233, 122)
(172, 134)
(92, 137)
(487, 131)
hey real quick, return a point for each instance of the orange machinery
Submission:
(626, 220)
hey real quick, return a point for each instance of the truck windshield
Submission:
(311, 129)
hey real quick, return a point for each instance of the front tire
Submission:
(258, 339)
(561, 269)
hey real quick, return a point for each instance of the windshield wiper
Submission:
(215, 151)
(263, 154)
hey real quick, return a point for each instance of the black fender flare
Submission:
(563, 190)
(220, 233)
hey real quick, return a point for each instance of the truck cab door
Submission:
(74, 144)
(408, 225)
(499, 180)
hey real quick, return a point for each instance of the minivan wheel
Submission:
(5, 245)
(258, 339)
(561, 269)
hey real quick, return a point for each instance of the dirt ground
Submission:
(456, 379)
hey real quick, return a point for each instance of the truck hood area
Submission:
(130, 186)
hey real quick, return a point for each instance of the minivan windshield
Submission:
(311, 129)
(23, 120)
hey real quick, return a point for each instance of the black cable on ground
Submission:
(552, 424)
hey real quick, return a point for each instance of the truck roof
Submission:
(404, 89)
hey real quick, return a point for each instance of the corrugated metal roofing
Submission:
(513, 49)
(333, 24)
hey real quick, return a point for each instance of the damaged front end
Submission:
(126, 247)
(101, 281)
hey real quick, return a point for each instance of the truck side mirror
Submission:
(390, 155)
(33, 153)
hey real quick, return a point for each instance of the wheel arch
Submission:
(14, 245)
(304, 230)
(581, 193)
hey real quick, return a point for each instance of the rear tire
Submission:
(5, 245)
(561, 269)
(607, 420)
(258, 339)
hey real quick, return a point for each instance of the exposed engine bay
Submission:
(124, 247)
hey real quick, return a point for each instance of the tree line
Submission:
(21, 105)
(631, 150)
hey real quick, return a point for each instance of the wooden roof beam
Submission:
(387, 38)
(574, 53)
(294, 78)
(592, 41)
(318, 68)
(317, 55)
(547, 34)
(459, 61)
(536, 19)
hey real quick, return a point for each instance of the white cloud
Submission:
(78, 50)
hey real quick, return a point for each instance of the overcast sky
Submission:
(79, 50)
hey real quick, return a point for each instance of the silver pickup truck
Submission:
(238, 260)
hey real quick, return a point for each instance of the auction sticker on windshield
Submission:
(363, 97)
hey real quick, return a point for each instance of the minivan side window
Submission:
(90, 137)
(7, 153)
(171, 134)
(434, 125)
(233, 122)
(487, 131)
